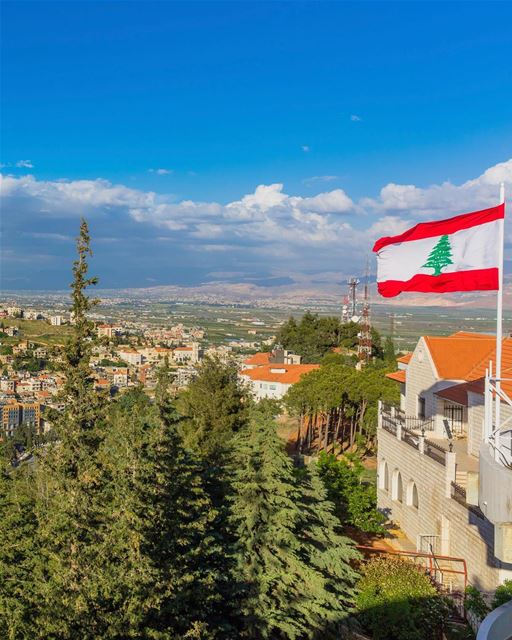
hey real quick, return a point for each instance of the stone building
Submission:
(444, 471)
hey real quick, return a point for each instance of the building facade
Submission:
(438, 476)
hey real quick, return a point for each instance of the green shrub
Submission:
(355, 499)
(397, 601)
(503, 594)
(475, 603)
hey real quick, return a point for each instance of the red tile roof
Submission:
(398, 376)
(258, 358)
(460, 358)
(465, 356)
(285, 373)
(405, 359)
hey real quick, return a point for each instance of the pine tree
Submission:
(157, 543)
(440, 256)
(293, 570)
(72, 484)
(214, 407)
(18, 551)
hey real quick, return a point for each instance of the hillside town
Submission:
(126, 355)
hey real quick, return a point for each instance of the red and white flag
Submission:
(458, 254)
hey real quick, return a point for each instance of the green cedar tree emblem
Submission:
(440, 256)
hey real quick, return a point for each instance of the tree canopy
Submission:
(292, 562)
(213, 407)
(314, 336)
(336, 403)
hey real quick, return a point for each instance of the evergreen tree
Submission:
(313, 337)
(214, 407)
(389, 349)
(157, 542)
(71, 484)
(292, 568)
(355, 500)
(440, 256)
(19, 553)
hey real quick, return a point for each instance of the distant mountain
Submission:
(284, 292)
(312, 294)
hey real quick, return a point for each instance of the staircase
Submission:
(461, 478)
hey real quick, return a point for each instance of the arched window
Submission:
(412, 494)
(384, 476)
(396, 486)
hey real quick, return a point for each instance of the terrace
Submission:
(451, 453)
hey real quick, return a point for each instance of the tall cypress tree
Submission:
(293, 565)
(72, 483)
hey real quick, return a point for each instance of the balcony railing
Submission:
(435, 451)
(459, 495)
(393, 416)
(410, 438)
(419, 424)
(389, 423)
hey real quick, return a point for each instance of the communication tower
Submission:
(352, 299)
(345, 316)
(364, 348)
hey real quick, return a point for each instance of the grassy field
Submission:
(37, 330)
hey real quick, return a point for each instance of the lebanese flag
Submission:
(458, 254)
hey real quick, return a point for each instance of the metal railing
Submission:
(460, 496)
(396, 415)
(435, 452)
(435, 565)
(386, 408)
(419, 424)
(411, 438)
(389, 424)
(501, 446)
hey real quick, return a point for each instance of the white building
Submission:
(274, 380)
(131, 356)
(14, 311)
(120, 377)
(57, 320)
(440, 478)
(189, 354)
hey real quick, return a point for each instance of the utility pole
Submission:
(364, 348)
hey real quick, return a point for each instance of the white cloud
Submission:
(335, 201)
(161, 172)
(63, 198)
(328, 229)
(355, 118)
(24, 164)
(315, 179)
(445, 199)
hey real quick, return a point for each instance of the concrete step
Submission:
(461, 478)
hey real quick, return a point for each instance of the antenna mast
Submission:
(364, 349)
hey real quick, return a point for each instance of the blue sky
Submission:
(159, 120)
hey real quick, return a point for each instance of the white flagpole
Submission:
(499, 320)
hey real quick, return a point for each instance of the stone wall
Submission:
(459, 532)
